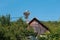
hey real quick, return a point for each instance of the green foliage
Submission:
(5, 20)
(18, 30)
(54, 27)
(15, 31)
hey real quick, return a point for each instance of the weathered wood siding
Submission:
(38, 27)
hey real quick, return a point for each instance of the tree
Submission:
(16, 31)
(5, 20)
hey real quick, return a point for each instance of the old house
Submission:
(35, 24)
(38, 26)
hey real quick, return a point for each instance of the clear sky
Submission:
(41, 9)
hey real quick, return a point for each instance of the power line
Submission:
(14, 17)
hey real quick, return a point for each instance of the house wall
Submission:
(38, 27)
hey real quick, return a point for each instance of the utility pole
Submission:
(26, 14)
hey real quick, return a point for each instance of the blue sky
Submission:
(42, 9)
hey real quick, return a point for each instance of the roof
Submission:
(39, 23)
